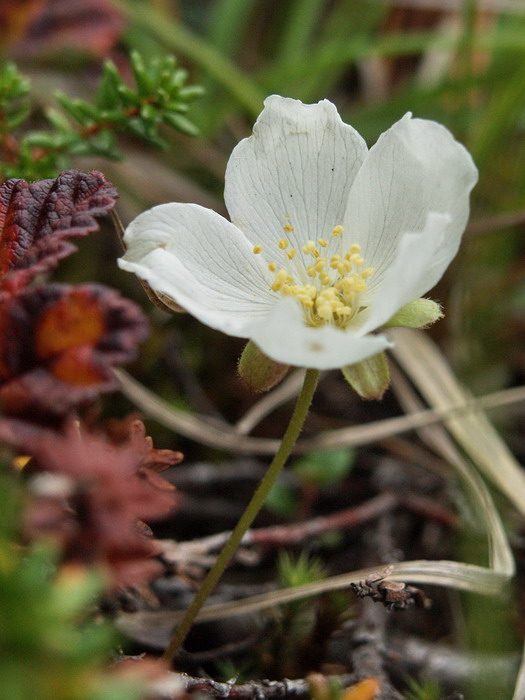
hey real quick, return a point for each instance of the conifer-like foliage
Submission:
(159, 98)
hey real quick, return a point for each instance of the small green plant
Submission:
(159, 98)
(423, 689)
(298, 571)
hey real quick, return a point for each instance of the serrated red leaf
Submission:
(58, 344)
(96, 507)
(36, 219)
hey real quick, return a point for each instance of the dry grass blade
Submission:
(467, 577)
(235, 440)
(190, 425)
(427, 368)
(437, 438)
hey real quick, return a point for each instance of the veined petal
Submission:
(284, 337)
(202, 261)
(422, 258)
(414, 168)
(295, 170)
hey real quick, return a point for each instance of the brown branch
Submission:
(198, 551)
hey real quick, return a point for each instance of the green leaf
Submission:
(325, 467)
(107, 96)
(141, 75)
(282, 500)
(17, 116)
(177, 121)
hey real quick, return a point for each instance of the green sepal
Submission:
(416, 314)
(258, 370)
(369, 378)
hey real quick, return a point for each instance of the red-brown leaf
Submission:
(97, 520)
(58, 344)
(15, 15)
(36, 219)
(92, 25)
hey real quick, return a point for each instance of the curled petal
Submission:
(202, 261)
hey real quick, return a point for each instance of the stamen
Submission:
(329, 288)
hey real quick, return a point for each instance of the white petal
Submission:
(203, 262)
(296, 169)
(284, 337)
(414, 168)
(421, 260)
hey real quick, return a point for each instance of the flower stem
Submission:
(259, 497)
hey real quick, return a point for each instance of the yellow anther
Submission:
(347, 284)
(281, 278)
(288, 227)
(257, 249)
(328, 294)
(325, 297)
(343, 310)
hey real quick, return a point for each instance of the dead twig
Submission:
(198, 551)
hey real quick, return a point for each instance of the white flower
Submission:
(327, 239)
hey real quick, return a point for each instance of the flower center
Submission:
(324, 278)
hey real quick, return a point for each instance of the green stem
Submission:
(254, 506)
